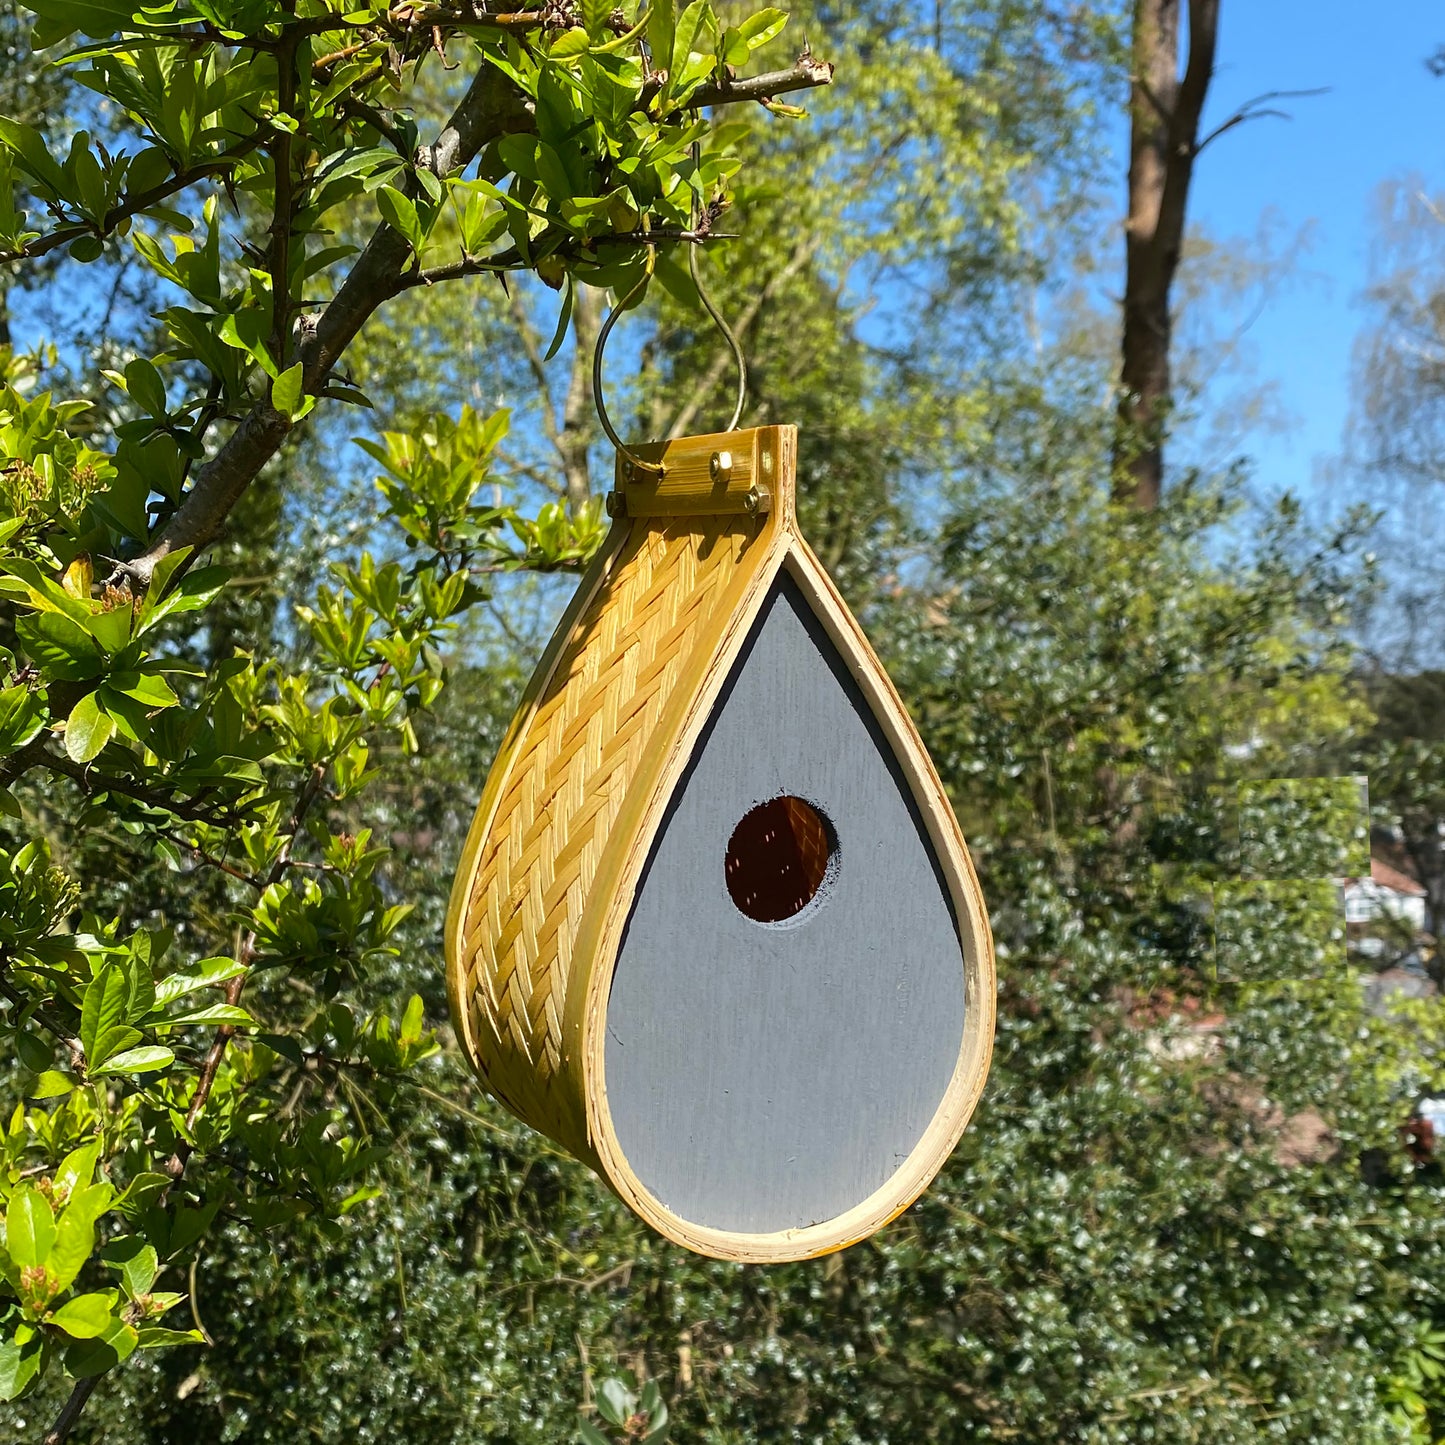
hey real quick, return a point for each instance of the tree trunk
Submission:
(1164, 112)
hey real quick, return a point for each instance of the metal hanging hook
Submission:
(727, 331)
(733, 344)
(639, 466)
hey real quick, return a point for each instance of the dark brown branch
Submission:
(134, 205)
(1257, 109)
(210, 859)
(281, 211)
(70, 1411)
(191, 811)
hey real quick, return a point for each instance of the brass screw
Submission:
(720, 467)
(755, 501)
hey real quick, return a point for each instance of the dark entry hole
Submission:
(777, 858)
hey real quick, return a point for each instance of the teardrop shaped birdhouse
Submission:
(715, 929)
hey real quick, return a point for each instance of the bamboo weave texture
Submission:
(567, 777)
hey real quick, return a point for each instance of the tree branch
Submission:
(804, 75)
(1257, 109)
(490, 108)
(134, 205)
(70, 1411)
(92, 783)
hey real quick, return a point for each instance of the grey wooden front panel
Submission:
(771, 1076)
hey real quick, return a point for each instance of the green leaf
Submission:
(221, 1013)
(74, 1244)
(155, 1337)
(60, 647)
(149, 688)
(144, 1060)
(19, 1365)
(412, 1023)
(88, 729)
(400, 214)
(52, 1084)
(595, 15)
(160, 580)
(287, 393)
(661, 28)
(102, 1014)
(33, 1051)
(29, 1227)
(563, 317)
(694, 48)
(77, 1169)
(614, 1402)
(205, 974)
(92, 1201)
(21, 717)
(85, 1317)
(247, 331)
(144, 385)
(137, 1261)
(571, 42)
(196, 591)
(32, 152)
(96, 1356)
(591, 1435)
(762, 27)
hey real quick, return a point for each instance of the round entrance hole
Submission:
(778, 858)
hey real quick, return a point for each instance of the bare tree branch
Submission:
(1257, 109)
(804, 75)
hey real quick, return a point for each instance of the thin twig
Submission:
(1256, 109)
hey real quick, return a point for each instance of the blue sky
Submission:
(1383, 118)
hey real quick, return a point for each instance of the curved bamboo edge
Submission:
(966, 1085)
(498, 777)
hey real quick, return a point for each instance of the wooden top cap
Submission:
(722, 474)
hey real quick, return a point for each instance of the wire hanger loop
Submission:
(638, 465)
(641, 467)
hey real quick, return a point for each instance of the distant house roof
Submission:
(1382, 874)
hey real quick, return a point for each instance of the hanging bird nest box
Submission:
(715, 929)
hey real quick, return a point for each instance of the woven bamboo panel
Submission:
(587, 737)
